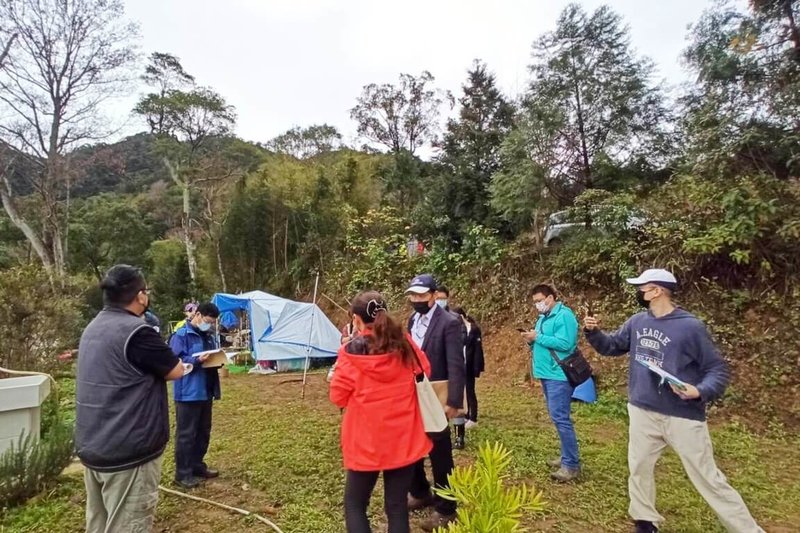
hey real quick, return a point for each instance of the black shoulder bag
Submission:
(575, 366)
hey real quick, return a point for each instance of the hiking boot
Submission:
(438, 520)
(643, 526)
(208, 473)
(188, 483)
(564, 474)
(470, 424)
(459, 444)
(415, 504)
(554, 463)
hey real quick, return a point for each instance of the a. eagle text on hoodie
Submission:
(678, 343)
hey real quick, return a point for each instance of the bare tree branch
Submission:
(67, 58)
(7, 48)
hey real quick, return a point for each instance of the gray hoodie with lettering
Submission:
(678, 343)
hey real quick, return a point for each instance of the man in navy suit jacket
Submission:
(439, 334)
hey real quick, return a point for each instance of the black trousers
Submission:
(472, 399)
(358, 490)
(441, 457)
(192, 435)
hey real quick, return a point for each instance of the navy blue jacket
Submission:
(444, 346)
(201, 383)
(678, 343)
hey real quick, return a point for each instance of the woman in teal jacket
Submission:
(556, 335)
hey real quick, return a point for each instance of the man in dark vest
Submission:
(122, 424)
(439, 334)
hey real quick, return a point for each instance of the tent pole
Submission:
(310, 333)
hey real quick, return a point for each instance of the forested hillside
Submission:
(700, 178)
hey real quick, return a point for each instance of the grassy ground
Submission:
(280, 457)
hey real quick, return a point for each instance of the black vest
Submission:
(122, 413)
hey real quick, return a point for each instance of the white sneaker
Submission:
(470, 424)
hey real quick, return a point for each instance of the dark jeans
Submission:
(358, 490)
(472, 399)
(192, 435)
(558, 395)
(442, 465)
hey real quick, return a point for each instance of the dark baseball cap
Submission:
(422, 284)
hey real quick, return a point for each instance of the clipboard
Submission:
(664, 375)
(216, 358)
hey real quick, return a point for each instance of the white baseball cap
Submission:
(658, 276)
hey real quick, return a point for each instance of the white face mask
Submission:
(542, 307)
(442, 302)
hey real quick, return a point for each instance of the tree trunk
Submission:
(185, 219)
(286, 247)
(587, 167)
(217, 248)
(66, 219)
(54, 170)
(186, 223)
(58, 253)
(35, 240)
(274, 247)
(794, 32)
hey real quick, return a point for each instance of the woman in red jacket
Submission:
(382, 428)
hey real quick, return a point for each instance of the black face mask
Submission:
(421, 307)
(640, 299)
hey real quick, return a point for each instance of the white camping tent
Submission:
(280, 329)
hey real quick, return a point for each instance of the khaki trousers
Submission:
(122, 502)
(650, 434)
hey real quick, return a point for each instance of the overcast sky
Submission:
(302, 62)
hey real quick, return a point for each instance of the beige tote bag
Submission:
(433, 417)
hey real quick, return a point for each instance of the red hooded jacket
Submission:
(382, 426)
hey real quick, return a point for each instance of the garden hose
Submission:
(222, 505)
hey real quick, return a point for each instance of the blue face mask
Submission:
(204, 326)
(442, 302)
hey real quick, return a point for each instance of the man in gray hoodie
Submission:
(667, 407)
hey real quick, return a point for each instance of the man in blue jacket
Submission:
(556, 336)
(670, 414)
(194, 395)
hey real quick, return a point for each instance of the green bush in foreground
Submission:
(485, 503)
(28, 466)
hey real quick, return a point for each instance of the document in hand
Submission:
(664, 375)
(216, 358)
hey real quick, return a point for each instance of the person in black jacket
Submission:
(439, 334)
(442, 296)
(473, 353)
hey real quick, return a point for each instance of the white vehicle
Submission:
(560, 224)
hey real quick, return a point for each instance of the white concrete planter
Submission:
(20, 407)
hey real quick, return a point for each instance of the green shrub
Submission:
(375, 254)
(739, 232)
(30, 464)
(36, 324)
(486, 505)
(168, 276)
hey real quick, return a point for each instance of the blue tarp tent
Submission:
(280, 329)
